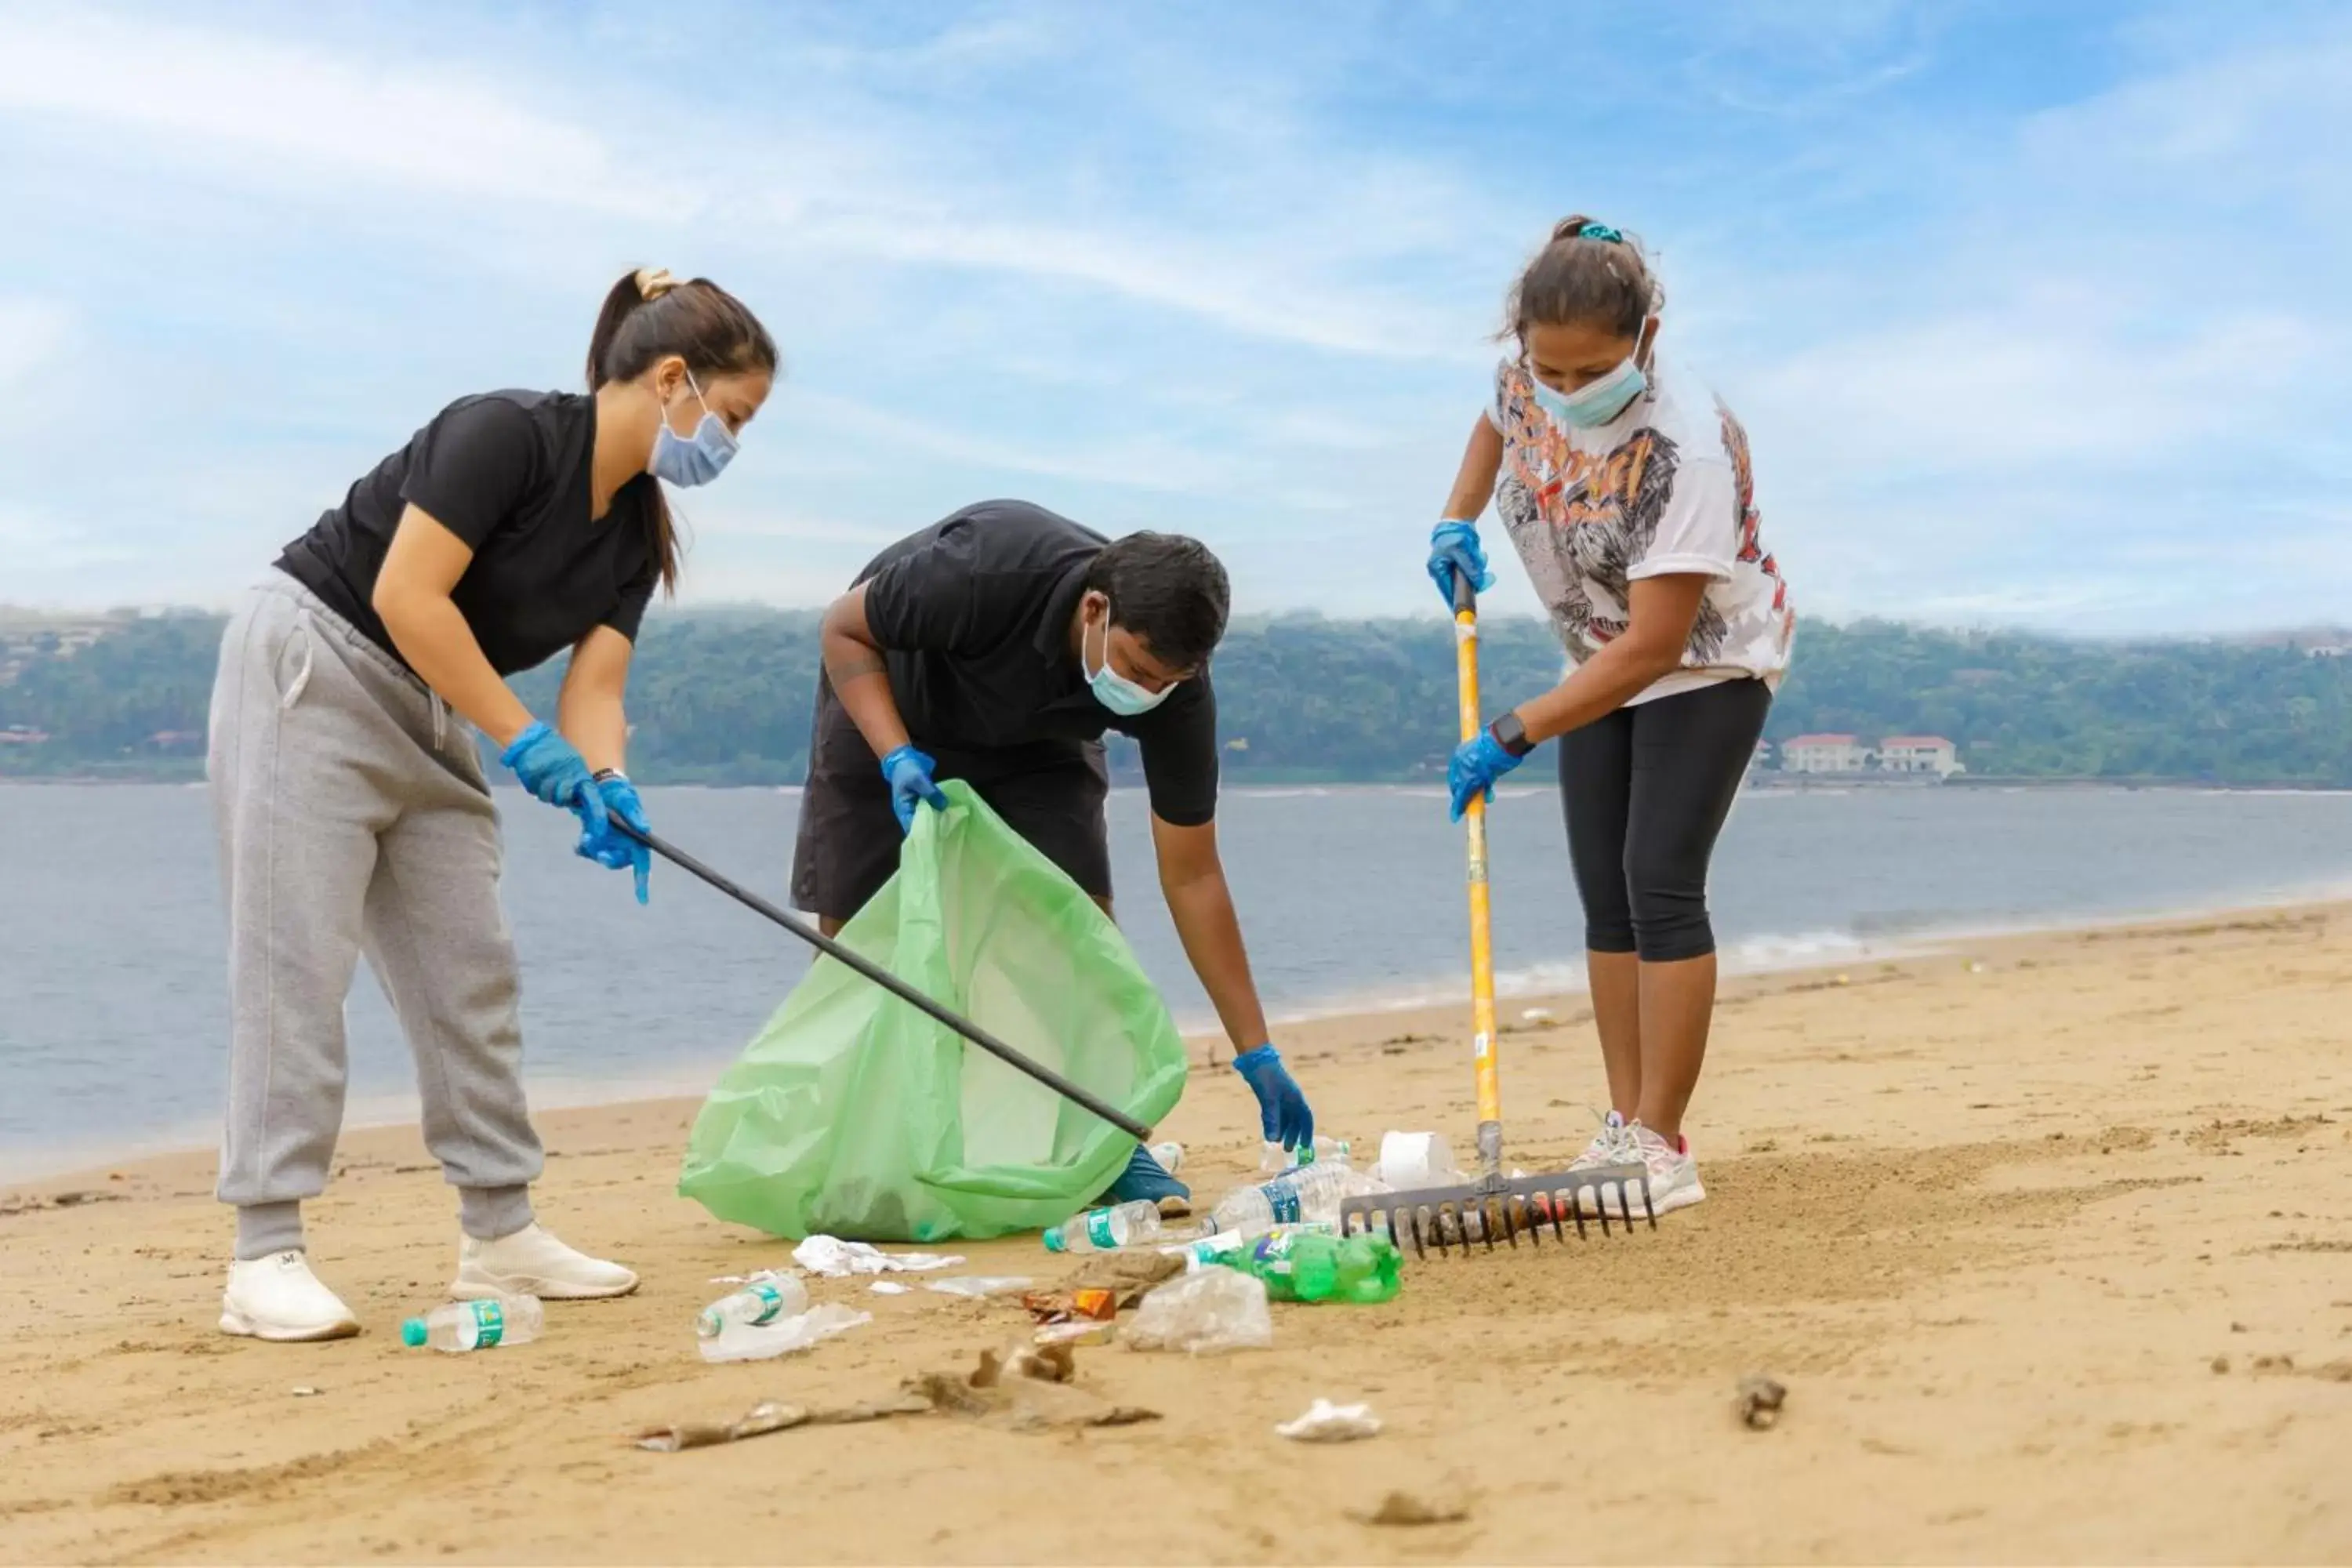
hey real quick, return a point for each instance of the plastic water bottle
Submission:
(1219, 1245)
(761, 1301)
(1170, 1156)
(1307, 1193)
(1323, 1151)
(1297, 1266)
(1103, 1230)
(478, 1325)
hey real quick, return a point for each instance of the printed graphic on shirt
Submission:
(1653, 493)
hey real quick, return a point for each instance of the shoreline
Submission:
(2043, 1235)
(1416, 1010)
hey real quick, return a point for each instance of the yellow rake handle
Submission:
(1482, 937)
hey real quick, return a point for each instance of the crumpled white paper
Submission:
(979, 1285)
(838, 1260)
(1328, 1423)
(758, 1342)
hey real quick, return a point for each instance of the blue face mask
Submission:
(1112, 689)
(1598, 401)
(697, 461)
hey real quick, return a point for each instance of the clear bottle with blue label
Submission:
(478, 1325)
(1107, 1229)
(763, 1299)
(1306, 1193)
(1322, 1151)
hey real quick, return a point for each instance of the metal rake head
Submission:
(1504, 1208)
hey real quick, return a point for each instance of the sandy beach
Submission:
(2049, 1241)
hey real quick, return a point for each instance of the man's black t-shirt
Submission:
(508, 472)
(974, 612)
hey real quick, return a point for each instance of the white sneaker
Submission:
(277, 1297)
(532, 1262)
(1613, 1145)
(1673, 1174)
(1609, 1146)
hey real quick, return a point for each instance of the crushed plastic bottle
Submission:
(1359, 1269)
(1307, 1193)
(762, 1299)
(478, 1325)
(1323, 1151)
(1107, 1229)
(1207, 1313)
(758, 1342)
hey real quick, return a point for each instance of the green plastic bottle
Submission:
(1299, 1267)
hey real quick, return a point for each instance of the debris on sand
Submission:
(1020, 1388)
(771, 1416)
(1216, 1311)
(1328, 1423)
(1024, 1388)
(978, 1286)
(1760, 1402)
(2221, 1365)
(838, 1259)
(1126, 1275)
(1402, 1508)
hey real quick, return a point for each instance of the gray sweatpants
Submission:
(353, 816)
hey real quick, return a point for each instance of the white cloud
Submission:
(33, 338)
(2003, 389)
(1253, 294)
(283, 105)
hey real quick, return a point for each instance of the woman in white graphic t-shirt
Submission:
(1625, 489)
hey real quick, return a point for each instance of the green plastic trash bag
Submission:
(854, 1114)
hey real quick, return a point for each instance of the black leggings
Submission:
(1646, 791)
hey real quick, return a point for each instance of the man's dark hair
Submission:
(1168, 591)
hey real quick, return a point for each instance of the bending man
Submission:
(996, 646)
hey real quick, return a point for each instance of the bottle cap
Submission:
(1054, 1239)
(411, 1332)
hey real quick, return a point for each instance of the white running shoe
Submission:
(1609, 1146)
(277, 1297)
(532, 1262)
(1673, 1174)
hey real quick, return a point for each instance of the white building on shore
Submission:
(1918, 754)
(1823, 754)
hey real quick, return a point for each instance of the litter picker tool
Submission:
(1492, 1205)
(892, 984)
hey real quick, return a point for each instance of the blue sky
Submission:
(2036, 313)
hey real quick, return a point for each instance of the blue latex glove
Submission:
(1282, 1110)
(551, 768)
(1475, 767)
(909, 773)
(611, 848)
(1454, 547)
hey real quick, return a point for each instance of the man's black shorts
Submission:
(1051, 794)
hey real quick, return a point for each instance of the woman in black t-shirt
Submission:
(353, 815)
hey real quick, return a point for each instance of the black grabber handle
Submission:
(892, 984)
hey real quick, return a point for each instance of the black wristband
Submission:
(601, 774)
(1511, 735)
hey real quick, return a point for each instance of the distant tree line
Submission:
(722, 696)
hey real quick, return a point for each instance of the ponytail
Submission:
(1588, 274)
(649, 315)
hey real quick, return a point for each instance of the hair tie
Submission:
(652, 282)
(1601, 231)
